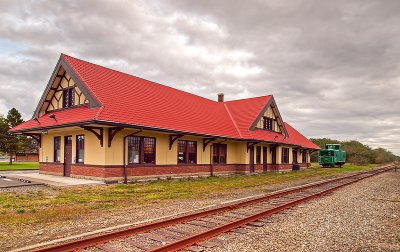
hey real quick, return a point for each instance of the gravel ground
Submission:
(364, 216)
(36, 233)
(23, 189)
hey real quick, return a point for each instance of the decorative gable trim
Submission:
(271, 103)
(93, 102)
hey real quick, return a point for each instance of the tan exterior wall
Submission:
(94, 153)
(166, 156)
(97, 155)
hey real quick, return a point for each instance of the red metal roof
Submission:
(67, 116)
(128, 99)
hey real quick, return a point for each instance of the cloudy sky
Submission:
(332, 66)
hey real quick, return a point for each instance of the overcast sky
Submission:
(332, 66)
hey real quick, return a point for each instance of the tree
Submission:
(14, 118)
(10, 143)
(3, 131)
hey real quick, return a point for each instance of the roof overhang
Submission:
(142, 127)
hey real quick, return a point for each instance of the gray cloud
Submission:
(332, 66)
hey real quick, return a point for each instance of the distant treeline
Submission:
(356, 152)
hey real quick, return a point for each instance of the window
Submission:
(304, 156)
(57, 149)
(80, 149)
(133, 150)
(219, 153)
(141, 150)
(258, 155)
(268, 123)
(68, 97)
(187, 152)
(182, 152)
(294, 154)
(192, 152)
(149, 150)
(285, 155)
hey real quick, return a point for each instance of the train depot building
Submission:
(98, 123)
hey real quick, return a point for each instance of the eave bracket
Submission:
(172, 139)
(206, 141)
(251, 144)
(111, 134)
(99, 135)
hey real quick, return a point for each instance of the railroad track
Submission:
(184, 231)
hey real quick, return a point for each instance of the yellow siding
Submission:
(236, 151)
(298, 156)
(278, 154)
(97, 155)
(94, 153)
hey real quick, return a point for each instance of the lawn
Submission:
(4, 166)
(42, 206)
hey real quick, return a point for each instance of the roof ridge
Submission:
(250, 98)
(131, 75)
(80, 76)
(233, 121)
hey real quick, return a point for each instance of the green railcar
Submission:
(332, 155)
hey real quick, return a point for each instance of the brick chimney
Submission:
(221, 97)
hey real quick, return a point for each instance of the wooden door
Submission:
(252, 159)
(67, 155)
(265, 158)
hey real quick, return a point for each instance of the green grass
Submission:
(46, 205)
(4, 166)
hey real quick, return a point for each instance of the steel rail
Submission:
(118, 234)
(186, 242)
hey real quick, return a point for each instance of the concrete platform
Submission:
(50, 179)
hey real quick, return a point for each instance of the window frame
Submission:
(58, 138)
(268, 123)
(70, 100)
(186, 153)
(258, 155)
(217, 147)
(285, 155)
(77, 148)
(153, 139)
(142, 150)
(139, 148)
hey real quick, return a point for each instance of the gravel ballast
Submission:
(29, 235)
(364, 216)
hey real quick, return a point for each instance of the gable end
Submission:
(271, 104)
(80, 90)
